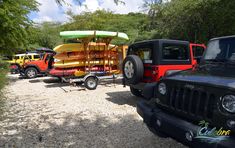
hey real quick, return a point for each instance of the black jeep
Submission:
(205, 94)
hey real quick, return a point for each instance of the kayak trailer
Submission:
(91, 81)
(92, 59)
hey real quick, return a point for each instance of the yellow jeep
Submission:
(18, 60)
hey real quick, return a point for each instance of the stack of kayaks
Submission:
(78, 59)
(75, 59)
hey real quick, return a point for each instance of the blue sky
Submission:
(50, 11)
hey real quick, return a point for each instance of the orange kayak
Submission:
(70, 56)
(81, 55)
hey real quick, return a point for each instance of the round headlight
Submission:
(228, 103)
(162, 88)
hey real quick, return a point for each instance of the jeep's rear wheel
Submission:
(31, 72)
(136, 92)
(133, 69)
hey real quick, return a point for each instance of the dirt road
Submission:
(40, 113)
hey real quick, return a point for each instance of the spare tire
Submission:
(133, 69)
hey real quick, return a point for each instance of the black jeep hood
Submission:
(216, 75)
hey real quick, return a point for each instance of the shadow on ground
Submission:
(47, 80)
(126, 98)
(57, 85)
(77, 131)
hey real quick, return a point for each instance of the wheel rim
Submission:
(91, 83)
(129, 69)
(31, 73)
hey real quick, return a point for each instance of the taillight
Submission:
(13, 66)
(154, 70)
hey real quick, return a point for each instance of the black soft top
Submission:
(159, 41)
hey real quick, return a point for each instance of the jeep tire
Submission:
(31, 72)
(136, 92)
(133, 69)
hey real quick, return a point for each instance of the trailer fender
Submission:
(90, 75)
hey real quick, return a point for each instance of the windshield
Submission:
(41, 55)
(16, 57)
(221, 50)
(143, 51)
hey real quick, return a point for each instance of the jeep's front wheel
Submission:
(133, 69)
(31, 72)
(136, 92)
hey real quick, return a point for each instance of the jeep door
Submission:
(174, 56)
(198, 50)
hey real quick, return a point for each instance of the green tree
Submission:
(153, 9)
(44, 35)
(196, 20)
(14, 23)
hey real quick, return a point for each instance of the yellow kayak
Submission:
(70, 64)
(69, 47)
(79, 73)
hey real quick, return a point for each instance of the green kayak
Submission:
(85, 34)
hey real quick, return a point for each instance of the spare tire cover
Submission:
(133, 69)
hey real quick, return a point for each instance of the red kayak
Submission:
(60, 72)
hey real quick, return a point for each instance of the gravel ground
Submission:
(40, 113)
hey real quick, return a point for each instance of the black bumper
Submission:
(177, 128)
(147, 89)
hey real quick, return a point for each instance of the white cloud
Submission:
(130, 6)
(42, 19)
(50, 11)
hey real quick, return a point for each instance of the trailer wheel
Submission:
(91, 83)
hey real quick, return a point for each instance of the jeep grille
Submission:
(191, 101)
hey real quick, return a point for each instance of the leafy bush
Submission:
(3, 71)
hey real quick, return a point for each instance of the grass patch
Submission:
(4, 67)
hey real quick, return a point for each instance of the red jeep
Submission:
(34, 68)
(149, 61)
